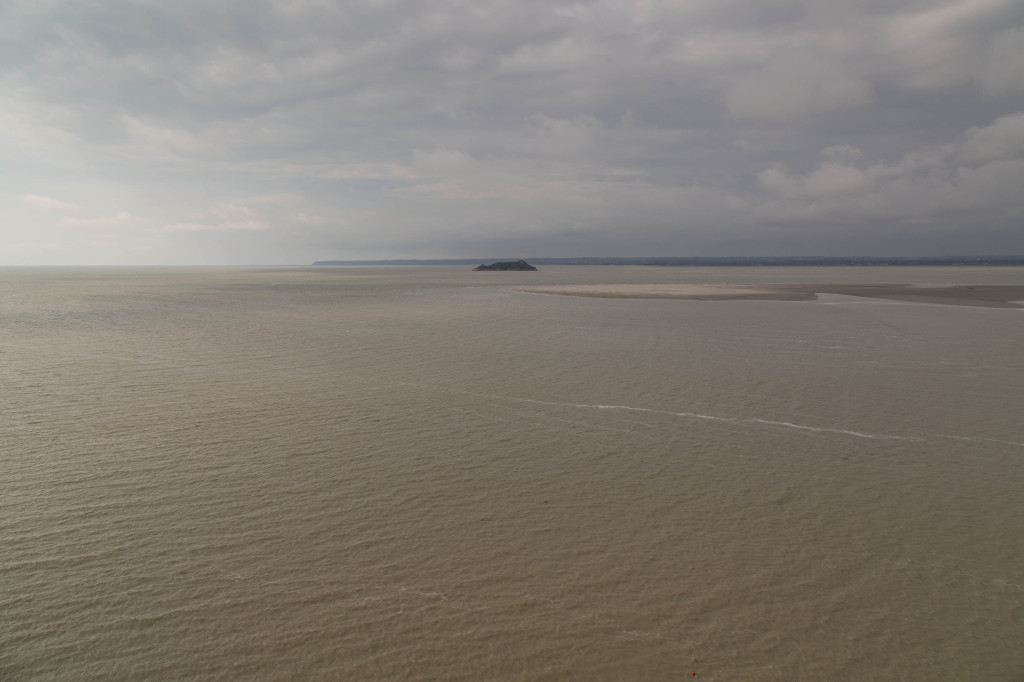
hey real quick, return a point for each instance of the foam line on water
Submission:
(710, 417)
(879, 436)
(979, 439)
(736, 420)
(754, 420)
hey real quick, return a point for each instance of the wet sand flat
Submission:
(979, 296)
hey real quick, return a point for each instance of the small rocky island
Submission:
(506, 265)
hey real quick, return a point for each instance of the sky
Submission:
(282, 132)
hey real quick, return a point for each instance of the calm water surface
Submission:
(421, 473)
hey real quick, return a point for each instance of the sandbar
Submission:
(978, 296)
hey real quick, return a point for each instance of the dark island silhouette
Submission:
(506, 265)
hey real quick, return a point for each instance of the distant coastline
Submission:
(983, 296)
(707, 261)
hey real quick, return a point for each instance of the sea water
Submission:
(424, 473)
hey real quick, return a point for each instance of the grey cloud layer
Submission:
(453, 128)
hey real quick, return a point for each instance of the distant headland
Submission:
(507, 265)
(710, 261)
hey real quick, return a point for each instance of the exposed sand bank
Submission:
(981, 296)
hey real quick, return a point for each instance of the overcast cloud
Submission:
(137, 131)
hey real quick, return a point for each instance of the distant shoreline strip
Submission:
(975, 296)
(710, 261)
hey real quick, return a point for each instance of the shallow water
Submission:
(421, 473)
